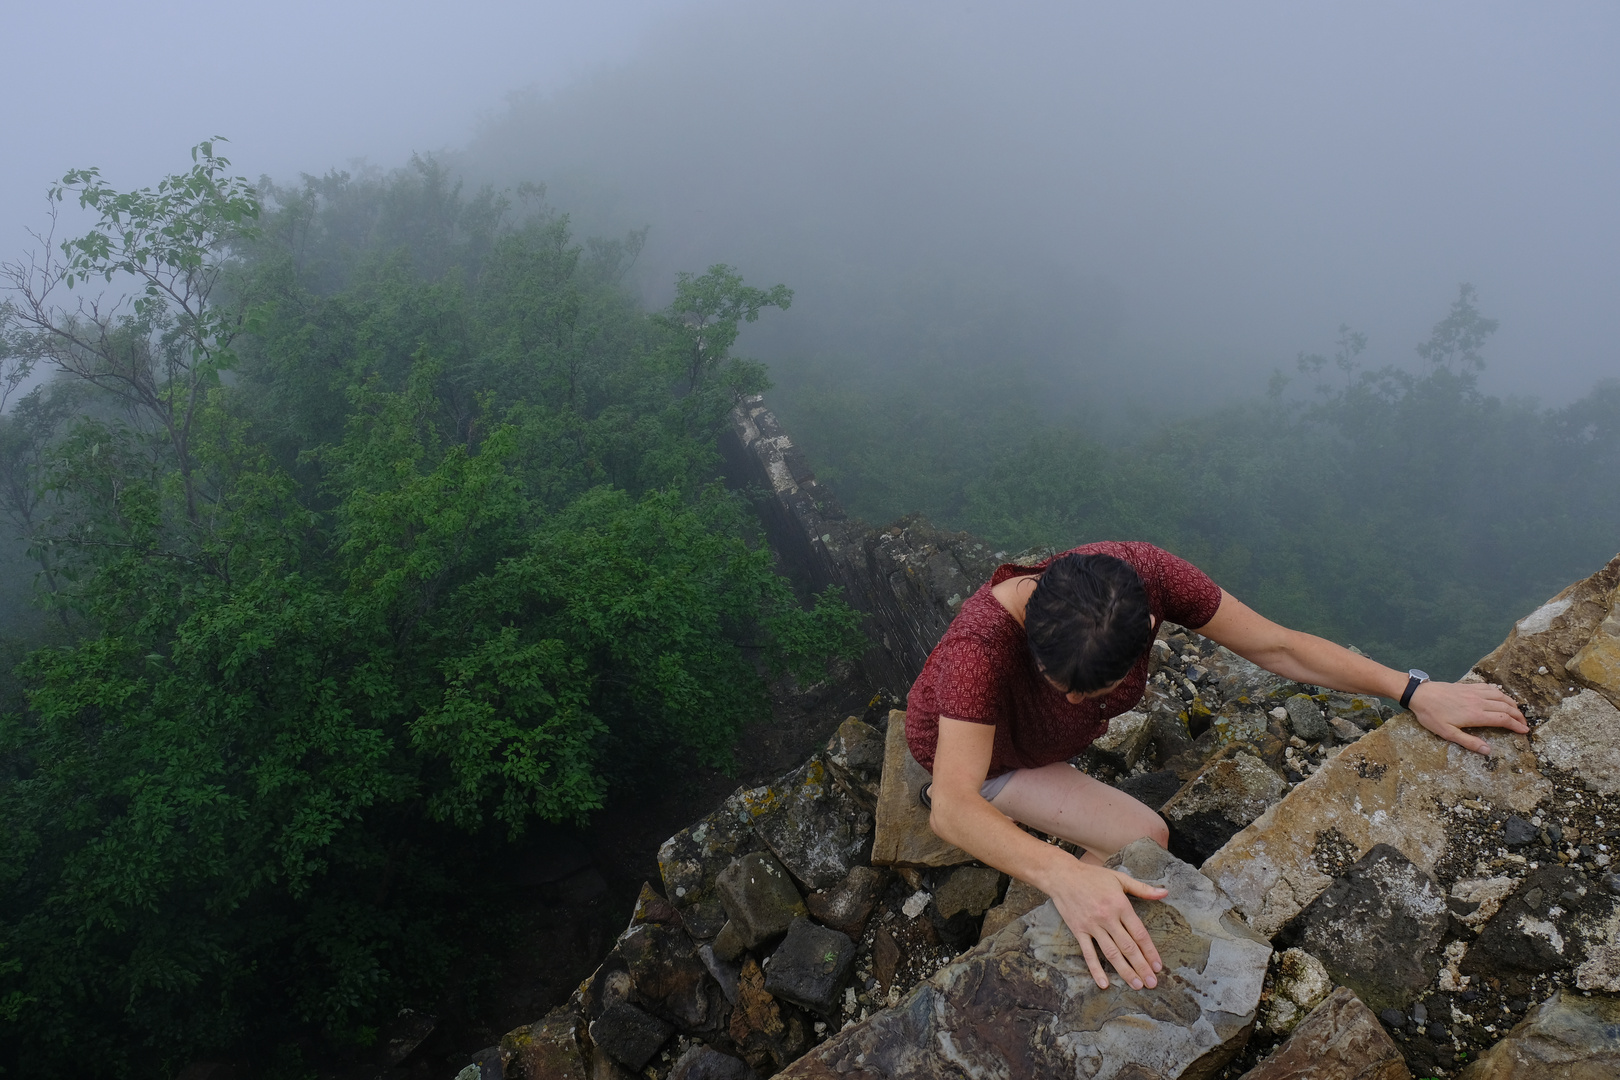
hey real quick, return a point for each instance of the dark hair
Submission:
(1088, 621)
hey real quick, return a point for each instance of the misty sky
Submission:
(1192, 192)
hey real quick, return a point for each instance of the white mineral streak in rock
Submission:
(1488, 893)
(1582, 736)
(1539, 620)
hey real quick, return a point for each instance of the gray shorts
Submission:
(992, 787)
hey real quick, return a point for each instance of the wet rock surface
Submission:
(1021, 1003)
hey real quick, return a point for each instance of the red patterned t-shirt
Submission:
(982, 671)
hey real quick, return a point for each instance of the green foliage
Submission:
(443, 558)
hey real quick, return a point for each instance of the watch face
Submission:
(1416, 674)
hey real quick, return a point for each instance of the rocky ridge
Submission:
(808, 927)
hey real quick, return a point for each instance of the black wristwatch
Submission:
(1415, 679)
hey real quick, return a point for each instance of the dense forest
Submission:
(368, 522)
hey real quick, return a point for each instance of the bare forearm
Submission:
(1309, 659)
(987, 834)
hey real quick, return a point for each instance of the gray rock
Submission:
(1377, 929)
(728, 944)
(810, 967)
(1582, 736)
(759, 897)
(692, 860)
(1568, 1036)
(1343, 730)
(1226, 795)
(703, 1063)
(1120, 747)
(669, 978)
(1306, 718)
(722, 971)
(1238, 678)
(846, 906)
(815, 827)
(1022, 1004)
(1361, 710)
(1517, 832)
(970, 889)
(1297, 984)
(629, 1035)
(1340, 1040)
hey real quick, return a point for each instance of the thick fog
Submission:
(1156, 201)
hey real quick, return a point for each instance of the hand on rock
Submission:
(1095, 903)
(1447, 708)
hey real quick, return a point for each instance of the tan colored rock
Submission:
(1340, 1040)
(1550, 637)
(1121, 746)
(1582, 736)
(1021, 1004)
(1598, 663)
(1021, 899)
(903, 837)
(1386, 788)
(1567, 1037)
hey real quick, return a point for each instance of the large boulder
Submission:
(1568, 1036)
(759, 899)
(1387, 788)
(1535, 658)
(1022, 1003)
(1340, 1040)
(815, 828)
(903, 836)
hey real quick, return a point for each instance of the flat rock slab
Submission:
(1376, 928)
(759, 898)
(1385, 789)
(1022, 1004)
(692, 860)
(1582, 736)
(815, 827)
(1340, 1040)
(1568, 1037)
(903, 837)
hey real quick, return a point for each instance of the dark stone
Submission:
(1339, 1040)
(846, 906)
(629, 1035)
(1377, 928)
(1437, 1031)
(815, 827)
(669, 977)
(1393, 1018)
(810, 967)
(1305, 717)
(728, 943)
(1517, 832)
(1523, 938)
(759, 897)
(721, 971)
(1152, 789)
(703, 1063)
(885, 958)
(970, 889)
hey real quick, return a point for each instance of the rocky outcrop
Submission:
(1020, 1004)
(1340, 1040)
(1567, 1036)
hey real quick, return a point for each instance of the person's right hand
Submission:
(1095, 903)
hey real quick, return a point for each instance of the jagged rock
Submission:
(1298, 984)
(1343, 730)
(885, 958)
(1598, 663)
(1224, 797)
(1480, 898)
(668, 975)
(1544, 924)
(1383, 789)
(1306, 718)
(1021, 899)
(815, 829)
(967, 889)
(759, 898)
(810, 967)
(846, 906)
(728, 944)
(1568, 1036)
(630, 1035)
(1517, 832)
(1121, 746)
(1377, 928)
(1363, 712)
(692, 859)
(1152, 789)
(408, 1030)
(903, 837)
(1236, 677)
(550, 1049)
(855, 756)
(722, 971)
(1021, 1003)
(1340, 1040)
(1582, 736)
(1533, 659)
(703, 1063)
(766, 1035)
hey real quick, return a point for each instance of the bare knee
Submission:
(1158, 831)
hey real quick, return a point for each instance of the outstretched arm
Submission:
(1444, 708)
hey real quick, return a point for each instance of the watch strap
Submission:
(1414, 679)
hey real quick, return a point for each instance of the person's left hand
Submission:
(1447, 708)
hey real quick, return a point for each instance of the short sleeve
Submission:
(966, 679)
(1187, 595)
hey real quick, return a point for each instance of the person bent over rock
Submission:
(1029, 673)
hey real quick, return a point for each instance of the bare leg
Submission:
(1062, 801)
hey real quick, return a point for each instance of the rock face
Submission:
(1582, 736)
(1340, 1040)
(1535, 658)
(815, 828)
(1382, 790)
(1568, 1036)
(903, 836)
(759, 899)
(1022, 1004)
(1376, 928)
